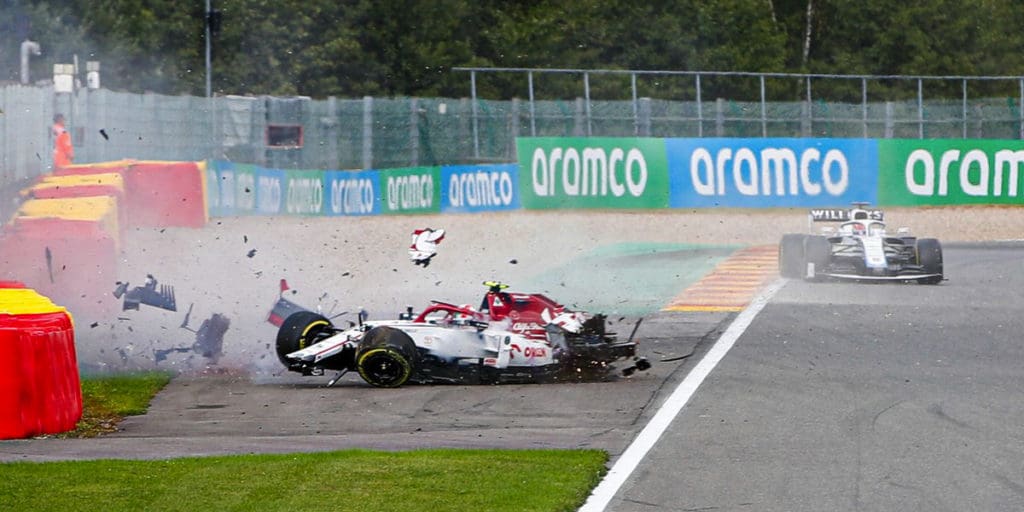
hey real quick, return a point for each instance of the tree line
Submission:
(352, 48)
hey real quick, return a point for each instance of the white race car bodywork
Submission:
(496, 347)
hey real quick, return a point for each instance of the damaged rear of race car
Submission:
(512, 338)
(861, 248)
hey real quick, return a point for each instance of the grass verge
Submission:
(107, 399)
(428, 480)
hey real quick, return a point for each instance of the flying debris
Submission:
(424, 245)
(283, 308)
(147, 294)
(209, 339)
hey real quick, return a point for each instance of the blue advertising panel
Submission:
(213, 199)
(479, 188)
(769, 173)
(270, 189)
(351, 193)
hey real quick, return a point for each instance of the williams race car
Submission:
(511, 337)
(860, 249)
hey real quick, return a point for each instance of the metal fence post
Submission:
(513, 119)
(586, 94)
(414, 132)
(719, 117)
(864, 104)
(888, 119)
(577, 126)
(920, 110)
(764, 110)
(533, 111)
(965, 109)
(636, 113)
(332, 133)
(476, 128)
(645, 117)
(367, 132)
(810, 109)
(700, 110)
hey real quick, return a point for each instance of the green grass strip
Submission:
(427, 480)
(106, 399)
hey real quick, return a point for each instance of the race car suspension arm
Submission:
(335, 379)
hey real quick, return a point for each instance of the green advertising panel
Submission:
(592, 173)
(950, 172)
(304, 193)
(411, 190)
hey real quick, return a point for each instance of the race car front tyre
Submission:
(817, 252)
(386, 358)
(791, 255)
(299, 331)
(929, 256)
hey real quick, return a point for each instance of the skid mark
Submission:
(732, 284)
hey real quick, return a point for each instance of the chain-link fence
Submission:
(302, 133)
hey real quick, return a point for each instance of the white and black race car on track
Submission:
(861, 248)
(512, 337)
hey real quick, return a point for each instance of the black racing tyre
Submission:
(387, 357)
(791, 256)
(817, 251)
(300, 330)
(929, 256)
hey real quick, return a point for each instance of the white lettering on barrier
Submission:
(305, 195)
(974, 172)
(227, 190)
(596, 173)
(410, 192)
(778, 167)
(269, 197)
(352, 196)
(480, 189)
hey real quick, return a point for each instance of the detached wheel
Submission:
(791, 256)
(299, 331)
(386, 357)
(929, 256)
(817, 251)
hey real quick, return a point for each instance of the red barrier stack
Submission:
(157, 194)
(40, 392)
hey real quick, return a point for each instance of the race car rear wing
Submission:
(859, 212)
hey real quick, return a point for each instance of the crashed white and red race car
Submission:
(512, 337)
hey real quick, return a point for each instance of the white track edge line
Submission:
(645, 440)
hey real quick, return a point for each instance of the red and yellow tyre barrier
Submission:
(39, 388)
(732, 284)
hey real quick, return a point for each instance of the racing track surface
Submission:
(845, 396)
(838, 396)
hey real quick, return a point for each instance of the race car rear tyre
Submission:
(929, 256)
(387, 357)
(791, 255)
(817, 251)
(299, 331)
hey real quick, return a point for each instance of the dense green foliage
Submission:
(351, 48)
(428, 480)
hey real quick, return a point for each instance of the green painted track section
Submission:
(631, 279)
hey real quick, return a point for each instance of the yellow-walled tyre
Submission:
(299, 331)
(386, 357)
